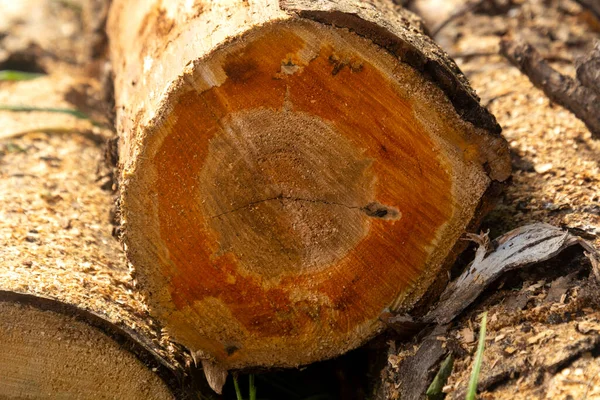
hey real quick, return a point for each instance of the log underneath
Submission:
(53, 350)
(291, 170)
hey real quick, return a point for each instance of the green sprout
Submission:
(472, 389)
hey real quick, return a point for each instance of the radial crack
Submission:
(373, 209)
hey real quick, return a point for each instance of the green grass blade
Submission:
(9, 75)
(252, 387)
(70, 111)
(238, 392)
(434, 391)
(472, 390)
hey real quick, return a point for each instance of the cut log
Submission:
(94, 339)
(51, 349)
(292, 169)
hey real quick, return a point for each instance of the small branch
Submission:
(569, 93)
(474, 54)
(516, 249)
(588, 69)
(459, 13)
(493, 99)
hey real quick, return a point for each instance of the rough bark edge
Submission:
(127, 339)
(568, 92)
(391, 29)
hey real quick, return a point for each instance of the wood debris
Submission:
(566, 194)
(516, 249)
(583, 101)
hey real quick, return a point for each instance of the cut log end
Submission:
(301, 181)
(45, 352)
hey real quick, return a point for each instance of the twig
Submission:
(520, 247)
(569, 93)
(588, 69)
(475, 54)
(493, 99)
(462, 11)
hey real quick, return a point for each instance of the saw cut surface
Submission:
(296, 189)
(48, 355)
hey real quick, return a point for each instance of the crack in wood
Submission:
(373, 209)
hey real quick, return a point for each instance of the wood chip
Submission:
(586, 327)
(547, 334)
(467, 334)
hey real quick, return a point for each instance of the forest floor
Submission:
(544, 322)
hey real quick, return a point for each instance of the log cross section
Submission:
(292, 169)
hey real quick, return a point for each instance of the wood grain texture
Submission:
(54, 350)
(292, 172)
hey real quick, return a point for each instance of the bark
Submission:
(588, 69)
(516, 249)
(290, 170)
(569, 93)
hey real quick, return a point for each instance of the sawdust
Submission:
(55, 231)
(556, 163)
(55, 192)
(543, 339)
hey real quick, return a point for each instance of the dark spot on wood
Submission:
(337, 64)
(240, 70)
(356, 66)
(377, 210)
(198, 10)
(231, 349)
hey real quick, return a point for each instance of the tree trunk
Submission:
(51, 349)
(292, 169)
